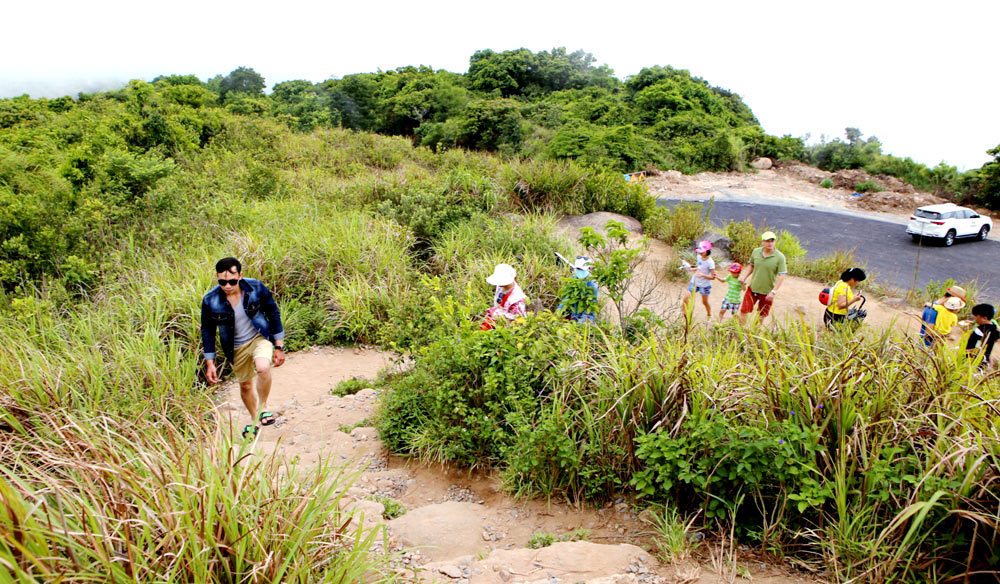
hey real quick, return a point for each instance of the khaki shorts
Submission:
(243, 362)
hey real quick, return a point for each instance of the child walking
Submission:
(701, 278)
(734, 295)
(984, 336)
(943, 317)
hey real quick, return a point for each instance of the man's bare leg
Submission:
(249, 398)
(263, 381)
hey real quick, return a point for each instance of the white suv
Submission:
(948, 222)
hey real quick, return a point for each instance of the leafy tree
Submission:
(521, 72)
(242, 80)
(507, 73)
(982, 185)
(492, 125)
(177, 80)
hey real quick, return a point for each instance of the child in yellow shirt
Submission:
(946, 316)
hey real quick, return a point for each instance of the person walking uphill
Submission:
(509, 301)
(765, 272)
(249, 325)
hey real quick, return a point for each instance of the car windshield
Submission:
(927, 214)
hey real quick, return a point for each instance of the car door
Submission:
(963, 223)
(976, 222)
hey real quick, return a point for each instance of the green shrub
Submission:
(826, 183)
(712, 460)
(680, 225)
(458, 404)
(745, 237)
(828, 268)
(351, 386)
(539, 540)
(868, 186)
(789, 245)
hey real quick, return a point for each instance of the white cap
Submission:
(582, 263)
(502, 275)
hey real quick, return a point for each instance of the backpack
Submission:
(824, 296)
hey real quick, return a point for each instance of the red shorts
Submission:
(751, 298)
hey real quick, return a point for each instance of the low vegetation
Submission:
(870, 456)
(877, 457)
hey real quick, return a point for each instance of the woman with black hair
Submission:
(842, 296)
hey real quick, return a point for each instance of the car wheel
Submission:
(915, 237)
(984, 233)
(949, 238)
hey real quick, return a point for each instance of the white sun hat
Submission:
(582, 263)
(954, 304)
(502, 275)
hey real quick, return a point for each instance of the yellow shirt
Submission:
(840, 289)
(945, 319)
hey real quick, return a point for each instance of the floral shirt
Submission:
(509, 304)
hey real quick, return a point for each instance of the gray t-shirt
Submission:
(703, 271)
(245, 330)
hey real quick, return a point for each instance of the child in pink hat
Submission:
(701, 276)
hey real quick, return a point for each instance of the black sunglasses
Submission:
(230, 282)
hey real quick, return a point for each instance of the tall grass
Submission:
(867, 454)
(98, 498)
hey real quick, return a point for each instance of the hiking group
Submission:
(246, 318)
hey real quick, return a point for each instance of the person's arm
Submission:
(272, 314)
(208, 342)
(782, 272)
(842, 301)
(746, 277)
(970, 345)
(777, 285)
(713, 275)
(519, 308)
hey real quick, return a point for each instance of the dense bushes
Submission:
(786, 439)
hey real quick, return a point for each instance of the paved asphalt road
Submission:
(884, 245)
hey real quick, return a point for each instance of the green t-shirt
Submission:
(766, 270)
(735, 291)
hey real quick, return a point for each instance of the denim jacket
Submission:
(217, 313)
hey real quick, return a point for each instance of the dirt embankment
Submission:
(797, 183)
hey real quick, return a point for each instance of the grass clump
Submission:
(97, 498)
(680, 225)
(868, 186)
(539, 540)
(392, 508)
(826, 183)
(351, 386)
(672, 536)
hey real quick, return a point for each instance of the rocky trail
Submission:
(459, 527)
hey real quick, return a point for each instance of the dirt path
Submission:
(459, 527)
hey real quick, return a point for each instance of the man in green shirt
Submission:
(766, 272)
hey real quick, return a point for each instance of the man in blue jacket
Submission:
(249, 325)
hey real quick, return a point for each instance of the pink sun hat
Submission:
(703, 246)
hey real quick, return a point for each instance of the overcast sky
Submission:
(922, 76)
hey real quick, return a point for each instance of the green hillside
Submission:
(374, 206)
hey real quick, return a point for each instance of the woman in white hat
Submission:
(509, 300)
